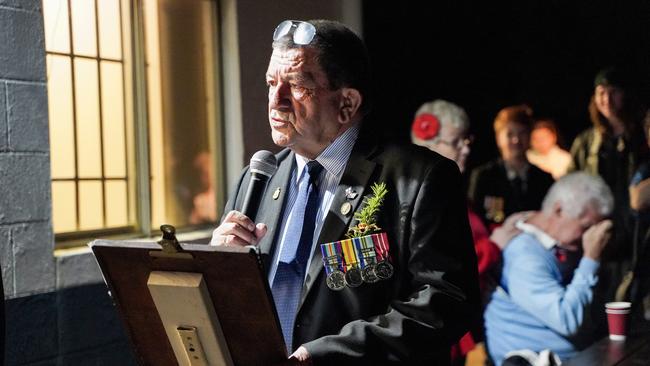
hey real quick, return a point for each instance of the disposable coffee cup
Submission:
(617, 314)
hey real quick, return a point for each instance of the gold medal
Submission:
(346, 208)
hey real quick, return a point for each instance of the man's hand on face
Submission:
(301, 357)
(237, 229)
(595, 239)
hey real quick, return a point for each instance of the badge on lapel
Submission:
(364, 256)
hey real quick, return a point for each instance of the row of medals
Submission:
(354, 277)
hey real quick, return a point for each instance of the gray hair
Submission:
(342, 55)
(576, 192)
(447, 113)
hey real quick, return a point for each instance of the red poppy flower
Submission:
(426, 126)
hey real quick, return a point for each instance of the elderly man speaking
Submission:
(549, 271)
(420, 292)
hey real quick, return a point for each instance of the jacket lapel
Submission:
(272, 206)
(356, 176)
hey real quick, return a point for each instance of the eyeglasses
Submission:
(458, 144)
(302, 35)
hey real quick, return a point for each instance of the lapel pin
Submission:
(350, 193)
(346, 207)
(276, 194)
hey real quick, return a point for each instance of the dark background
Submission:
(488, 55)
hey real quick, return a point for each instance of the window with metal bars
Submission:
(133, 115)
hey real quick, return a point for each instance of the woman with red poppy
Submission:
(443, 127)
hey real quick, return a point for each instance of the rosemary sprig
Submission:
(367, 217)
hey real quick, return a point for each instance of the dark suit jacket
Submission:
(491, 180)
(431, 300)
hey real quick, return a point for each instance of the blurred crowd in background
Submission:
(506, 193)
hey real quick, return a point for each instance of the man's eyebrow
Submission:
(306, 77)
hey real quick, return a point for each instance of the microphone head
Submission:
(264, 162)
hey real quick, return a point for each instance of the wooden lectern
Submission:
(192, 304)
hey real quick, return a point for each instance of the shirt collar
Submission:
(335, 156)
(546, 240)
(512, 174)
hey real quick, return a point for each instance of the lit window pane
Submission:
(64, 207)
(59, 86)
(90, 205)
(110, 43)
(182, 163)
(55, 18)
(113, 120)
(87, 99)
(116, 214)
(84, 35)
(155, 113)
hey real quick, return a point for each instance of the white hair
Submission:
(576, 192)
(447, 113)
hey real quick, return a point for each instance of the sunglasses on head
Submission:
(303, 33)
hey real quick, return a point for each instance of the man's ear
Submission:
(349, 105)
(557, 208)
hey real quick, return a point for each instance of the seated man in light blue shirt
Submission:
(549, 271)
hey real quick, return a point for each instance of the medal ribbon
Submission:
(331, 257)
(367, 250)
(339, 251)
(349, 254)
(359, 253)
(381, 246)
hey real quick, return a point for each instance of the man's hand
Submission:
(595, 239)
(502, 235)
(237, 229)
(301, 357)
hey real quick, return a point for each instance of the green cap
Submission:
(611, 76)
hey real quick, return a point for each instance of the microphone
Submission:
(263, 165)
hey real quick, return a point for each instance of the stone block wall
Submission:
(57, 311)
(25, 198)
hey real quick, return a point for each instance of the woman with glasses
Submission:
(443, 127)
(510, 183)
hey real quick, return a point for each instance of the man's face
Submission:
(568, 230)
(452, 144)
(609, 100)
(303, 111)
(512, 141)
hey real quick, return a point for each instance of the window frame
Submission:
(136, 120)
